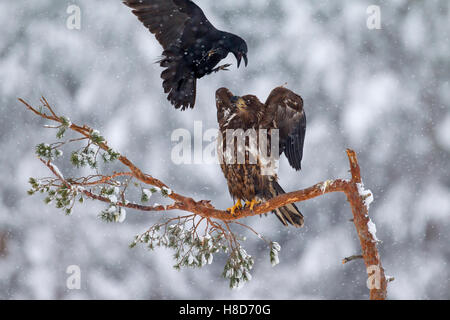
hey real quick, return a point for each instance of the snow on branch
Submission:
(195, 238)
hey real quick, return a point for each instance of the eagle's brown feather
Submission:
(284, 111)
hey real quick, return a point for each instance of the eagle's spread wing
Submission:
(284, 110)
(168, 19)
(223, 104)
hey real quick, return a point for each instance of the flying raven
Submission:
(193, 47)
(246, 180)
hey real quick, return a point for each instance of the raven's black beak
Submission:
(239, 57)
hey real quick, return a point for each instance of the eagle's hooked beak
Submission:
(239, 59)
(239, 102)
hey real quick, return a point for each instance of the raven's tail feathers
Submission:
(179, 84)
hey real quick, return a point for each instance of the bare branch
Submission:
(352, 258)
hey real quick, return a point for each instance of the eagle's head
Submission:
(246, 109)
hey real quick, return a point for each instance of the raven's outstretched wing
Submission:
(169, 19)
(284, 109)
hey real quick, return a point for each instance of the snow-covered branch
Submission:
(182, 234)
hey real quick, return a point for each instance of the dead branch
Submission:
(352, 258)
(352, 188)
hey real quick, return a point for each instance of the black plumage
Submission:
(193, 47)
(283, 110)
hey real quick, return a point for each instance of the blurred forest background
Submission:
(384, 93)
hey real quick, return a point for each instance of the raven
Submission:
(193, 47)
(248, 180)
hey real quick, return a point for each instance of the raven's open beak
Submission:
(239, 59)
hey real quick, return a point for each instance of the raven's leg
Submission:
(211, 52)
(223, 67)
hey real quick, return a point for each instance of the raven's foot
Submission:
(211, 52)
(223, 67)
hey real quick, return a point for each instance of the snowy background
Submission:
(384, 93)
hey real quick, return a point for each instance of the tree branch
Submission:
(358, 198)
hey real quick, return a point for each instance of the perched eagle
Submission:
(193, 47)
(282, 113)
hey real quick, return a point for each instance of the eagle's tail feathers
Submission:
(288, 214)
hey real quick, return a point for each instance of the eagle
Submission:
(193, 47)
(282, 113)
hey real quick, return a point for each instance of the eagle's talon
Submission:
(237, 206)
(252, 203)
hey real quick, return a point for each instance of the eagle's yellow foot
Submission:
(237, 206)
(252, 203)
